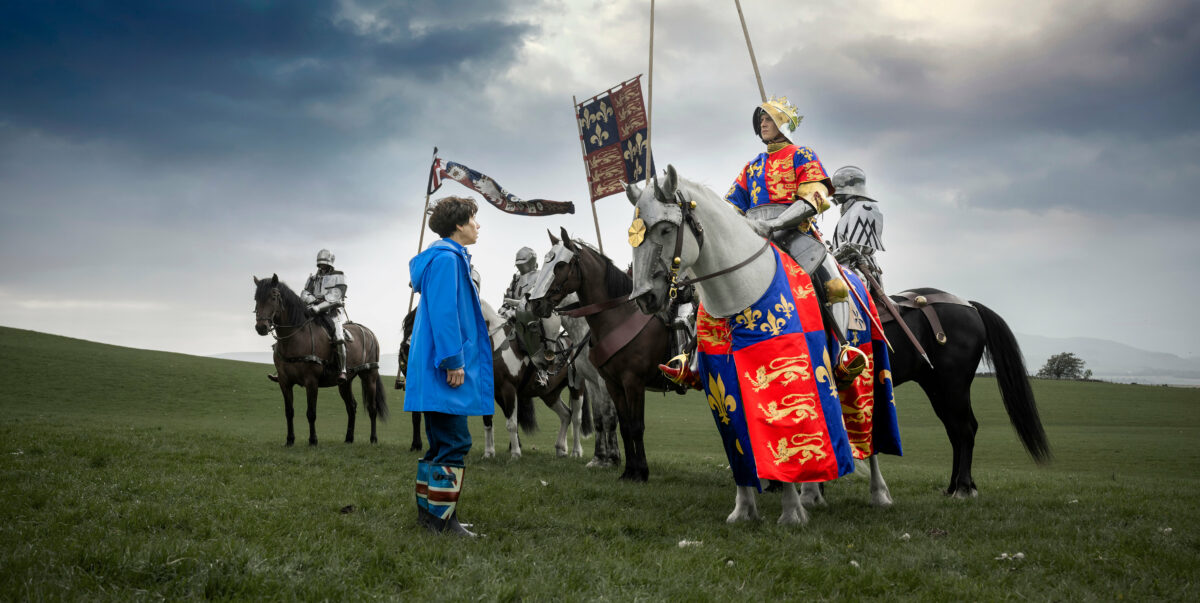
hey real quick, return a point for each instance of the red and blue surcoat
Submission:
(775, 177)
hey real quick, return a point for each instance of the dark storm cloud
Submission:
(1090, 110)
(201, 77)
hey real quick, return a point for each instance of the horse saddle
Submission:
(804, 248)
(925, 302)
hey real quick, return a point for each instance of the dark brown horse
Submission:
(627, 346)
(304, 357)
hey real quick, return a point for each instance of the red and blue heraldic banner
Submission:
(868, 403)
(614, 130)
(769, 380)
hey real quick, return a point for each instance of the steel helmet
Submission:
(850, 181)
(783, 113)
(325, 258)
(526, 260)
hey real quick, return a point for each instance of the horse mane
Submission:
(616, 281)
(409, 321)
(291, 302)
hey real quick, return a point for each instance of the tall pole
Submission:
(753, 61)
(424, 214)
(582, 147)
(650, 97)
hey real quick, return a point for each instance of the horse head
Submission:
(661, 246)
(268, 303)
(558, 277)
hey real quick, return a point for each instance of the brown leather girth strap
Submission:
(618, 338)
(926, 304)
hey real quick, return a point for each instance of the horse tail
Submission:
(1004, 354)
(381, 406)
(526, 414)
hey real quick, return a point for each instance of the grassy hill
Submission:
(134, 474)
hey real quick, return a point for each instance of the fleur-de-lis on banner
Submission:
(633, 152)
(603, 112)
(599, 137)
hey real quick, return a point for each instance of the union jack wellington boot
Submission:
(678, 370)
(425, 518)
(445, 486)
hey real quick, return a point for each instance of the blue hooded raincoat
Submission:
(449, 333)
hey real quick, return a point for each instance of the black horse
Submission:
(968, 329)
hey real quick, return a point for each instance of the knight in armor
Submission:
(325, 294)
(780, 192)
(859, 231)
(542, 339)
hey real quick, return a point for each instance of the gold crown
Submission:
(784, 114)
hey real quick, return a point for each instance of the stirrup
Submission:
(676, 371)
(850, 364)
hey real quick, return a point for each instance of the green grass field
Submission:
(131, 475)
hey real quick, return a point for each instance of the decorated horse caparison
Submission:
(303, 356)
(965, 328)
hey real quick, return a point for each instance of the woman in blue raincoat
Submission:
(449, 374)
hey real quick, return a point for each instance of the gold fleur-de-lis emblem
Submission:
(754, 170)
(720, 402)
(755, 191)
(808, 154)
(637, 232)
(784, 306)
(599, 137)
(773, 325)
(749, 318)
(634, 148)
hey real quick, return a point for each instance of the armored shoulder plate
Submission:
(861, 224)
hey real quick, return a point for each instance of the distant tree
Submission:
(1064, 366)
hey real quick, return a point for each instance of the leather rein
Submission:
(689, 218)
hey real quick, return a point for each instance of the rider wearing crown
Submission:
(780, 192)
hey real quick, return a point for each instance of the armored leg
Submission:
(341, 358)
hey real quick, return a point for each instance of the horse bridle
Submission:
(277, 297)
(686, 209)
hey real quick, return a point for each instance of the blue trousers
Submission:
(449, 438)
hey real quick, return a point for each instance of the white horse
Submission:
(732, 277)
(604, 412)
(512, 371)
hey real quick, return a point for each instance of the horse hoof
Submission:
(312, 442)
(793, 518)
(882, 502)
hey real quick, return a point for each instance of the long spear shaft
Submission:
(753, 61)
(650, 97)
(424, 214)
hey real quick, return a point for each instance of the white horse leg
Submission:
(489, 441)
(564, 424)
(793, 511)
(514, 442)
(744, 507)
(880, 495)
(577, 425)
(810, 495)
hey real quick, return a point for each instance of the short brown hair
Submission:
(449, 213)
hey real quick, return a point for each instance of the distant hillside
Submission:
(1108, 360)
(1112, 361)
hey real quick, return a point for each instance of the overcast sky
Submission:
(1040, 157)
